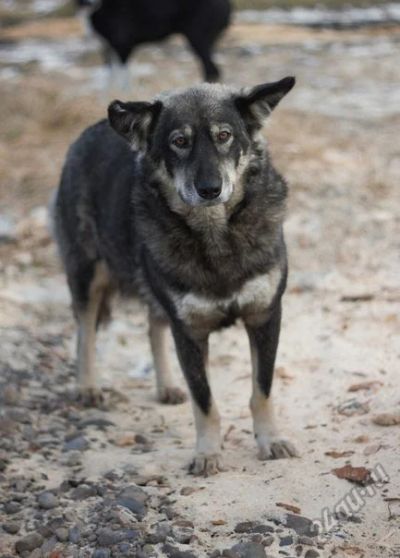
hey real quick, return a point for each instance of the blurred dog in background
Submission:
(122, 25)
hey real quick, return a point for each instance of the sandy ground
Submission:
(336, 140)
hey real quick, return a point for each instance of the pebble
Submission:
(83, 491)
(107, 537)
(253, 527)
(29, 543)
(100, 422)
(74, 534)
(62, 534)
(182, 531)
(47, 500)
(11, 507)
(249, 550)
(10, 394)
(286, 541)
(71, 458)
(132, 505)
(11, 527)
(311, 554)
(79, 443)
(302, 525)
(101, 553)
(173, 552)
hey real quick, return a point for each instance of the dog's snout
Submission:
(209, 191)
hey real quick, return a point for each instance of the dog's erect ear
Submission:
(257, 103)
(133, 121)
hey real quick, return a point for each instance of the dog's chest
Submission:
(250, 302)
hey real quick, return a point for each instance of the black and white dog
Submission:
(176, 200)
(124, 24)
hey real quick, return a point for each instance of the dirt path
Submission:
(74, 479)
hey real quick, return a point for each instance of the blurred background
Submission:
(335, 137)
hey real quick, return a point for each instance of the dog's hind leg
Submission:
(166, 391)
(88, 316)
(193, 359)
(264, 344)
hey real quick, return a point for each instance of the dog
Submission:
(176, 200)
(124, 24)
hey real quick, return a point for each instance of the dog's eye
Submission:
(223, 136)
(181, 142)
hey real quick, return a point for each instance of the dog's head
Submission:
(199, 138)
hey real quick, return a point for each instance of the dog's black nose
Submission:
(209, 192)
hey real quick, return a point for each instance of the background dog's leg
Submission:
(166, 391)
(193, 357)
(264, 344)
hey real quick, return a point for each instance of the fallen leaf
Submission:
(362, 439)
(357, 298)
(358, 475)
(387, 419)
(124, 440)
(218, 522)
(289, 507)
(370, 450)
(187, 490)
(352, 551)
(281, 372)
(372, 384)
(337, 454)
(228, 432)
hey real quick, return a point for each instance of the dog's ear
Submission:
(257, 103)
(134, 121)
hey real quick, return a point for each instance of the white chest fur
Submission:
(250, 303)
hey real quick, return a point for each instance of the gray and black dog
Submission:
(176, 200)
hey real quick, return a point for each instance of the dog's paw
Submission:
(172, 396)
(92, 397)
(206, 465)
(276, 448)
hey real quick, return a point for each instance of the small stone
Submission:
(11, 507)
(182, 531)
(173, 552)
(99, 422)
(10, 394)
(79, 443)
(267, 541)
(47, 500)
(107, 537)
(214, 554)
(62, 534)
(11, 527)
(101, 553)
(302, 525)
(133, 505)
(74, 534)
(306, 540)
(286, 541)
(29, 543)
(83, 491)
(311, 554)
(249, 550)
(229, 553)
(71, 458)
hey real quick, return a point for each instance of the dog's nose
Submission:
(210, 191)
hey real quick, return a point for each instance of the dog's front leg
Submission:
(192, 356)
(264, 340)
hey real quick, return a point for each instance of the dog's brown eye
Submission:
(180, 142)
(223, 136)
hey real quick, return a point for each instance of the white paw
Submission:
(206, 464)
(276, 448)
(172, 396)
